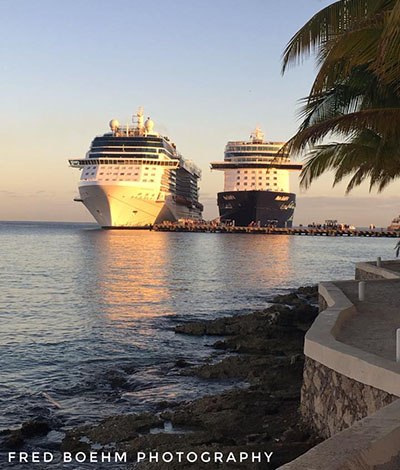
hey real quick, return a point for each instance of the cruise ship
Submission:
(257, 186)
(132, 177)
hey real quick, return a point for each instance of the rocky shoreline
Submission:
(264, 352)
(267, 353)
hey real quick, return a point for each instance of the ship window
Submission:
(275, 172)
(245, 177)
(144, 181)
(116, 168)
(129, 173)
(102, 173)
(275, 184)
(238, 171)
(122, 174)
(267, 177)
(275, 178)
(107, 179)
(253, 177)
(245, 171)
(238, 177)
(136, 174)
(244, 184)
(260, 177)
(151, 181)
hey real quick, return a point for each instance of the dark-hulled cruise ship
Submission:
(256, 187)
(133, 177)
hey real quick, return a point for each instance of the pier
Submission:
(299, 231)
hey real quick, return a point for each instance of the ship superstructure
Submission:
(133, 177)
(257, 185)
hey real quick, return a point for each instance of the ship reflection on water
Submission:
(139, 275)
(130, 275)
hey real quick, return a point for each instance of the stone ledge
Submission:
(369, 270)
(321, 345)
(370, 444)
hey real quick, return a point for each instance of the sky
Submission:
(206, 71)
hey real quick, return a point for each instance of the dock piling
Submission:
(398, 345)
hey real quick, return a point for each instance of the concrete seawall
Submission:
(349, 393)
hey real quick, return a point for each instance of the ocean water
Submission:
(87, 315)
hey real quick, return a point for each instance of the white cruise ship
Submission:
(133, 178)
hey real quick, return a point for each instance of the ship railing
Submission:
(80, 163)
(246, 142)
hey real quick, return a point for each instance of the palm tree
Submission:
(355, 95)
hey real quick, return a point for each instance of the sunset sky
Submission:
(206, 71)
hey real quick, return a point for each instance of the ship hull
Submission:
(257, 207)
(120, 206)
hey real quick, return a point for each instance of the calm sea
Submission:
(87, 315)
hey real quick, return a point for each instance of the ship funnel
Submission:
(257, 135)
(139, 116)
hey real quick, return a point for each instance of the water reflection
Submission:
(129, 274)
(150, 274)
(80, 303)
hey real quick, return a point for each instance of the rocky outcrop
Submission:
(14, 439)
(264, 349)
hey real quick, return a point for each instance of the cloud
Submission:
(7, 193)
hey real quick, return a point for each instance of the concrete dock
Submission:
(300, 231)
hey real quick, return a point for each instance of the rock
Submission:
(285, 319)
(193, 328)
(114, 429)
(309, 292)
(287, 299)
(230, 367)
(296, 434)
(165, 404)
(13, 441)
(305, 313)
(182, 363)
(35, 428)
(117, 379)
(15, 438)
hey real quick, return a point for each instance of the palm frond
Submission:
(365, 156)
(328, 24)
(387, 62)
(353, 49)
(382, 121)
